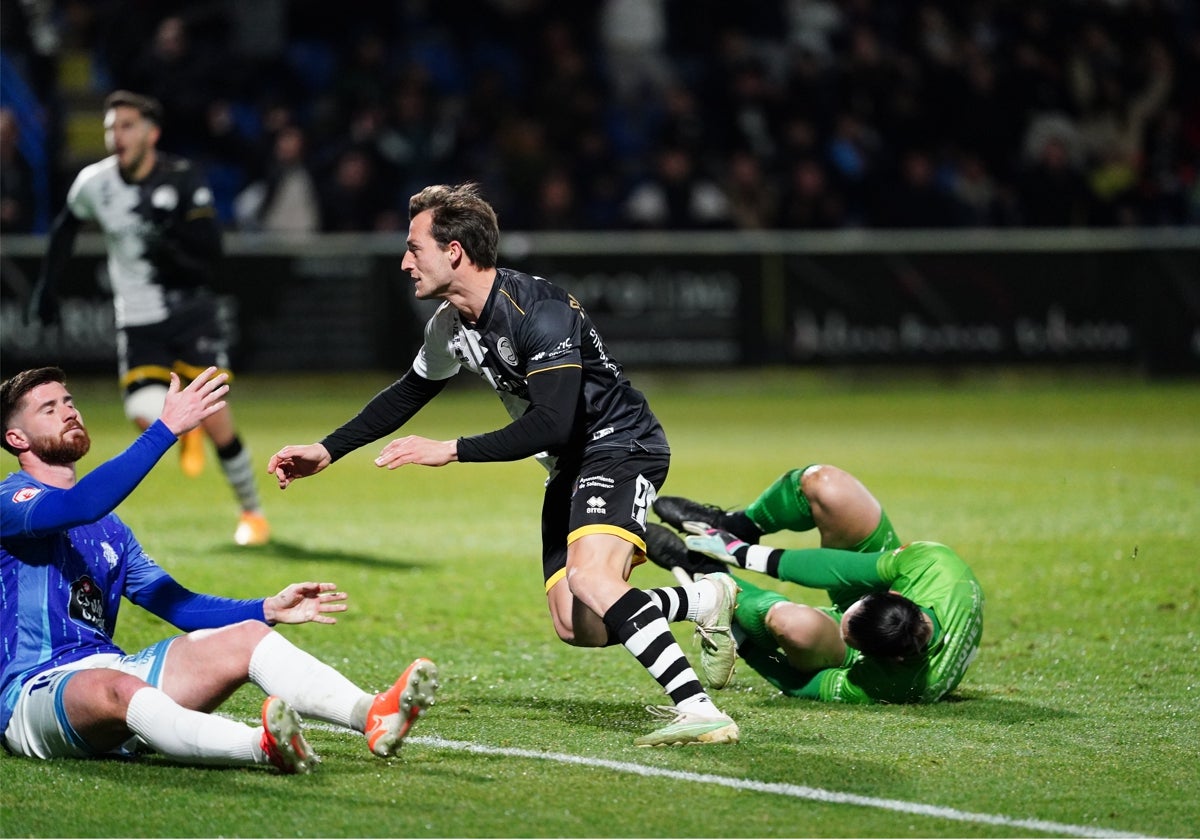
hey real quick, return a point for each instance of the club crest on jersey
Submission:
(25, 494)
(87, 605)
(505, 349)
(164, 197)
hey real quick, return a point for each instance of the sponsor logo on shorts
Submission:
(597, 504)
(597, 481)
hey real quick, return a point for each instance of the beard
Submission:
(61, 450)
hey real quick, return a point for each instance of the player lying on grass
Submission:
(906, 619)
(574, 409)
(66, 560)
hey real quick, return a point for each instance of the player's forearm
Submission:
(387, 411)
(535, 432)
(99, 492)
(545, 427)
(190, 611)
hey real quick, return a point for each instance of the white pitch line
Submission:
(781, 789)
(778, 788)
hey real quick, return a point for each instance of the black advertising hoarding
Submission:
(699, 300)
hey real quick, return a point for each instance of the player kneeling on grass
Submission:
(67, 689)
(906, 619)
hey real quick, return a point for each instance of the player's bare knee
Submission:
(105, 692)
(800, 625)
(585, 576)
(824, 485)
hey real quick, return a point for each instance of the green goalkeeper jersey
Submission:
(927, 573)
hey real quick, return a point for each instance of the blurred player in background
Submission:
(906, 620)
(572, 407)
(67, 689)
(163, 242)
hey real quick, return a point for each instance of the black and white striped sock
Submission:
(638, 622)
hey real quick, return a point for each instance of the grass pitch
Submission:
(1073, 496)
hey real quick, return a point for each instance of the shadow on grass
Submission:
(990, 708)
(278, 549)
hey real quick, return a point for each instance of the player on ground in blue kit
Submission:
(66, 561)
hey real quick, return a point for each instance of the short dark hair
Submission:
(460, 214)
(887, 625)
(13, 391)
(147, 106)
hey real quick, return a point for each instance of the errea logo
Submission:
(25, 494)
(597, 504)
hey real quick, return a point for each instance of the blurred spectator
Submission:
(183, 76)
(813, 25)
(286, 200)
(753, 199)
(557, 207)
(350, 198)
(600, 186)
(633, 35)
(752, 111)
(1112, 132)
(416, 139)
(913, 198)
(16, 179)
(980, 201)
(809, 201)
(854, 150)
(1052, 191)
(362, 81)
(517, 94)
(677, 197)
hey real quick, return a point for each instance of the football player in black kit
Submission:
(573, 408)
(163, 240)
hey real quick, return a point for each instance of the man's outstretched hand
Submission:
(302, 602)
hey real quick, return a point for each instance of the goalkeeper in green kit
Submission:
(906, 619)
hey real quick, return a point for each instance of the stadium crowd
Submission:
(654, 114)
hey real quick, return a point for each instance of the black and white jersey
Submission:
(530, 326)
(161, 232)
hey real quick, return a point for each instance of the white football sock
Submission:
(704, 597)
(309, 686)
(189, 735)
(700, 704)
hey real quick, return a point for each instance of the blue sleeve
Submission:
(96, 494)
(188, 610)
